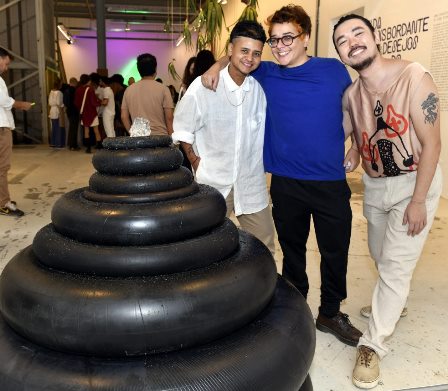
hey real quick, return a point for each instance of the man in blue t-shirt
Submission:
(304, 151)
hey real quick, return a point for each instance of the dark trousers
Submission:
(57, 134)
(328, 202)
(73, 131)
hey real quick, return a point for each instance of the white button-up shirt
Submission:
(6, 102)
(226, 130)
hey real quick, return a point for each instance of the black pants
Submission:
(328, 202)
(73, 129)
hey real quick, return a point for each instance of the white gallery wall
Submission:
(412, 30)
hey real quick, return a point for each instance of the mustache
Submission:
(356, 48)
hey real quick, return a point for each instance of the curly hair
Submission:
(291, 13)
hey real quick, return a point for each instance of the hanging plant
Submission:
(201, 42)
(250, 11)
(214, 18)
(172, 71)
(167, 26)
(187, 35)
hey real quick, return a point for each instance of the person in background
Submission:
(392, 111)
(187, 77)
(198, 65)
(222, 133)
(72, 114)
(148, 99)
(131, 81)
(109, 107)
(7, 207)
(204, 60)
(55, 113)
(87, 103)
(118, 88)
(95, 83)
(304, 151)
(174, 93)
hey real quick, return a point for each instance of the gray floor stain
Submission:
(54, 193)
(18, 178)
(33, 196)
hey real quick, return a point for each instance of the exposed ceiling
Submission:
(148, 15)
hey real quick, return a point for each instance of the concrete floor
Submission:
(418, 356)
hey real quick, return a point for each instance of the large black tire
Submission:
(127, 142)
(136, 184)
(138, 224)
(116, 317)
(61, 253)
(307, 384)
(138, 198)
(273, 353)
(138, 161)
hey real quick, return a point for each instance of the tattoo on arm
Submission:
(430, 108)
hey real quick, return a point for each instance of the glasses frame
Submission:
(268, 41)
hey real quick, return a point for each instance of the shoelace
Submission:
(346, 320)
(365, 356)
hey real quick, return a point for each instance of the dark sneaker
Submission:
(340, 327)
(10, 209)
(366, 373)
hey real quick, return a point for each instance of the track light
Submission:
(65, 33)
(180, 39)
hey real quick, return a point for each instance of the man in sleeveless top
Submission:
(392, 112)
(222, 134)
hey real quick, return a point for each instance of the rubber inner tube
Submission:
(274, 352)
(153, 183)
(127, 142)
(59, 252)
(138, 161)
(112, 317)
(138, 224)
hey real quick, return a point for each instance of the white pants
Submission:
(108, 123)
(259, 224)
(395, 253)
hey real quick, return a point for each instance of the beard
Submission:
(364, 64)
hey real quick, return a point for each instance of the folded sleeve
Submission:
(187, 119)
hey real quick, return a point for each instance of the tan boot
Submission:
(366, 311)
(366, 373)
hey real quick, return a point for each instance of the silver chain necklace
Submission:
(230, 101)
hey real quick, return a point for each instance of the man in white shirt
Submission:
(108, 103)
(7, 207)
(222, 133)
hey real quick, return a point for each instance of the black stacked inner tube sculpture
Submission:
(141, 283)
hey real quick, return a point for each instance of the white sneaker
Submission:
(366, 373)
(366, 311)
(10, 209)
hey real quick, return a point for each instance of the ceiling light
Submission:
(180, 39)
(65, 33)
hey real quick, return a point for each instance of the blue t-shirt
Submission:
(304, 137)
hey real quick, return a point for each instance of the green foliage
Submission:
(172, 71)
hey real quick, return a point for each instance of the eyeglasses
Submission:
(286, 40)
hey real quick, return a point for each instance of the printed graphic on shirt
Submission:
(386, 147)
